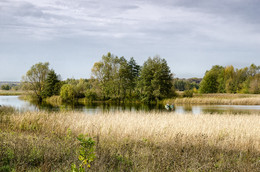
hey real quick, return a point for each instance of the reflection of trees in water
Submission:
(98, 106)
(187, 108)
(112, 107)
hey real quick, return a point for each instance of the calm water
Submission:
(93, 108)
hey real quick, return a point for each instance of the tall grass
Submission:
(127, 141)
(11, 92)
(223, 99)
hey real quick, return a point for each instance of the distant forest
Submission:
(117, 79)
(230, 80)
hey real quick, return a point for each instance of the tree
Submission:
(112, 77)
(229, 76)
(35, 79)
(104, 72)
(155, 80)
(5, 87)
(52, 84)
(124, 78)
(210, 82)
(240, 79)
(255, 84)
(134, 70)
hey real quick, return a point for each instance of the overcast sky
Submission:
(192, 35)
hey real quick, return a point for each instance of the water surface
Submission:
(92, 108)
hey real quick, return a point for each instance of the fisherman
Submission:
(167, 106)
(172, 107)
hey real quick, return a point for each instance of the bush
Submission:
(86, 153)
(188, 93)
(91, 95)
(67, 93)
(5, 87)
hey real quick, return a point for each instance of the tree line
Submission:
(115, 78)
(221, 79)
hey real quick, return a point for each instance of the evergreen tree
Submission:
(52, 84)
(155, 80)
(134, 70)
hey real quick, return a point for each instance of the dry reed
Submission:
(133, 141)
(222, 99)
(229, 131)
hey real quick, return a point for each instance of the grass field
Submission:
(130, 141)
(221, 99)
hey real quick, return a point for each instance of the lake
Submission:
(93, 108)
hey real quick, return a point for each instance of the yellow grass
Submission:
(11, 92)
(224, 99)
(133, 141)
(225, 131)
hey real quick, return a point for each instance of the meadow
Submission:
(130, 141)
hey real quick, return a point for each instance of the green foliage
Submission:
(115, 78)
(209, 83)
(81, 88)
(90, 95)
(230, 80)
(188, 93)
(67, 93)
(5, 87)
(35, 78)
(155, 80)
(134, 71)
(6, 160)
(52, 84)
(86, 153)
(186, 84)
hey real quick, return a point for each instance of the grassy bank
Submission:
(220, 99)
(11, 93)
(131, 141)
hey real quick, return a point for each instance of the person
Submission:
(167, 106)
(172, 107)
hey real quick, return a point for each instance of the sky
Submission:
(192, 35)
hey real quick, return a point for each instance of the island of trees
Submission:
(118, 79)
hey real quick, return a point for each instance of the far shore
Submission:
(11, 92)
(217, 99)
(201, 99)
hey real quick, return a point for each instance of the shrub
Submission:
(86, 153)
(5, 87)
(67, 93)
(91, 95)
(188, 93)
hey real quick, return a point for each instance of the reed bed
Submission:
(127, 141)
(11, 93)
(216, 101)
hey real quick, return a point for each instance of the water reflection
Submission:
(92, 108)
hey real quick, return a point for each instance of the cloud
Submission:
(206, 30)
(123, 19)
